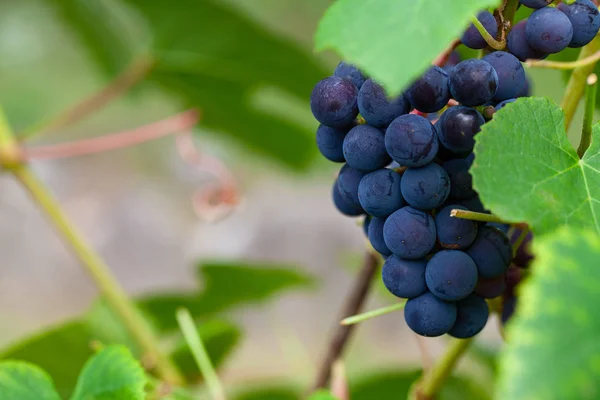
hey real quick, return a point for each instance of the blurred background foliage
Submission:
(248, 65)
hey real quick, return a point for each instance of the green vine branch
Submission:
(577, 82)
(94, 265)
(588, 117)
(431, 382)
(566, 65)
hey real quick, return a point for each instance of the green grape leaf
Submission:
(100, 26)
(47, 349)
(219, 338)
(552, 350)
(526, 170)
(23, 381)
(113, 373)
(226, 285)
(394, 40)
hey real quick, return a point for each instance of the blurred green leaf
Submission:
(265, 392)
(101, 27)
(322, 395)
(394, 40)
(61, 350)
(552, 349)
(208, 56)
(219, 338)
(23, 381)
(549, 185)
(111, 374)
(397, 384)
(225, 285)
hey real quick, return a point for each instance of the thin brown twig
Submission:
(352, 305)
(174, 124)
(133, 74)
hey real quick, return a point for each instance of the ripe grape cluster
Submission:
(406, 167)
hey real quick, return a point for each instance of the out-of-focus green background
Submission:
(134, 204)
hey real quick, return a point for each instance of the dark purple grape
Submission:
(411, 141)
(347, 182)
(518, 46)
(364, 148)
(535, 4)
(375, 236)
(426, 187)
(330, 142)
(457, 127)
(585, 18)
(429, 316)
(377, 108)
(351, 72)
(333, 102)
(404, 278)
(343, 205)
(511, 74)
(473, 82)
(409, 233)
(379, 192)
(454, 233)
(471, 316)
(451, 275)
(548, 30)
(472, 38)
(491, 252)
(430, 93)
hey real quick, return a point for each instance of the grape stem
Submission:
(582, 62)
(355, 319)
(576, 85)
(483, 217)
(588, 117)
(432, 381)
(194, 341)
(352, 306)
(520, 240)
(493, 43)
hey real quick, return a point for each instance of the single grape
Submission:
(490, 288)
(377, 108)
(535, 4)
(585, 18)
(343, 206)
(508, 309)
(364, 148)
(426, 187)
(473, 82)
(333, 102)
(491, 252)
(472, 38)
(379, 192)
(451, 275)
(518, 46)
(347, 182)
(454, 233)
(548, 30)
(456, 128)
(429, 93)
(429, 316)
(366, 223)
(404, 278)
(471, 316)
(349, 71)
(511, 74)
(461, 181)
(409, 233)
(504, 103)
(330, 142)
(411, 141)
(376, 236)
